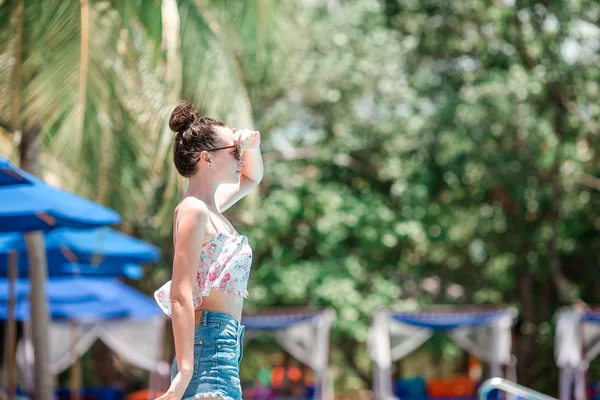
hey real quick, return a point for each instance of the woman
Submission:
(212, 261)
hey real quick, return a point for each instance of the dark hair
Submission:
(194, 135)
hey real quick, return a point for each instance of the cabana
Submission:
(576, 344)
(482, 331)
(84, 310)
(302, 333)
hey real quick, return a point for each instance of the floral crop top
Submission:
(225, 264)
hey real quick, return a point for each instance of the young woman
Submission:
(212, 261)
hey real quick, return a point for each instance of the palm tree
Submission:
(87, 86)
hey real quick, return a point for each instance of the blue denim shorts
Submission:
(217, 355)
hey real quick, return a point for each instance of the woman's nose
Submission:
(242, 160)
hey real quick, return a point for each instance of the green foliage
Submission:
(432, 152)
(416, 152)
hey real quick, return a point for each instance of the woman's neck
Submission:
(203, 188)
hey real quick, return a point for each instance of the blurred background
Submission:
(417, 152)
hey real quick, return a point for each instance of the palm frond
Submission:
(104, 111)
(253, 30)
(8, 46)
(17, 67)
(83, 65)
(51, 61)
(148, 15)
(209, 76)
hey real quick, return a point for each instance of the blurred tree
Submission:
(416, 152)
(433, 152)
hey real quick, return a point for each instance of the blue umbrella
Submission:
(59, 292)
(131, 271)
(34, 205)
(11, 176)
(94, 309)
(84, 298)
(30, 204)
(103, 247)
(128, 270)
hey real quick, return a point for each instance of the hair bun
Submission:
(183, 116)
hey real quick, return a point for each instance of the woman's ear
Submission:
(205, 159)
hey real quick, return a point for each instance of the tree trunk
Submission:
(347, 347)
(110, 369)
(29, 151)
(526, 337)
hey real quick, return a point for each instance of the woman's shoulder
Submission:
(191, 206)
(191, 210)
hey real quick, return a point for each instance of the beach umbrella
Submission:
(98, 248)
(28, 204)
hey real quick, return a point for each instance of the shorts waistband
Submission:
(203, 317)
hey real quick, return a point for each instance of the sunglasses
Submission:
(237, 147)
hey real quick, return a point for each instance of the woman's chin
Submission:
(236, 177)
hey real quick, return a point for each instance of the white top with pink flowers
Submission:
(225, 264)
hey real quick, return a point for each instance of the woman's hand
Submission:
(248, 139)
(178, 385)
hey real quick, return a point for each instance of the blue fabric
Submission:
(218, 341)
(443, 321)
(84, 311)
(15, 242)
(83, 298)
(9, 174)
(99, 393)
(101, 247)
(276, 321)
(90, 311)
(57, 291)
(21, 207)
(592, 316)
(131, 271)
(410, 388)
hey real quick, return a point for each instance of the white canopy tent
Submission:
(576, 344)
(135, 332)
(88, 309)
(305, 334)
(486, 333)
(137, 341)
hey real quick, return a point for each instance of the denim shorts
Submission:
(217, 355)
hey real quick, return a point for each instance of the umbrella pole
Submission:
(75, 366)
(155, 374)
(39, 315)
(6, 343)
(5, 358)
(12, 327)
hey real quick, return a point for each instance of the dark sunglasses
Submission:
(238, 150)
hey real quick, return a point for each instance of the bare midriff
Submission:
(222, 302)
